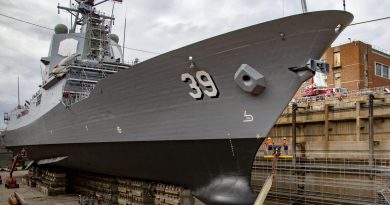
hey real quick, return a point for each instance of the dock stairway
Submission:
(385, 192)
(325, 178)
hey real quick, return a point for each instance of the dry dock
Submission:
(341, 158)
(33, 196)
(36, 189)
(338, 125)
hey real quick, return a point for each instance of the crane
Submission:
(10, 182)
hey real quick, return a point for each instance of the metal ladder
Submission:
(99, 29)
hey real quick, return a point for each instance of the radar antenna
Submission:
(91, 2)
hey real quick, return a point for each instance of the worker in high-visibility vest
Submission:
(269, 143)
(285, 145)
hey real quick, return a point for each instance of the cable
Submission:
(140, 50)
(47, 28)
(369, 21)
(16, 19)
(152, 52)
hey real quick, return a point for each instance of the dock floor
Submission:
(31, 195)
(34, 197)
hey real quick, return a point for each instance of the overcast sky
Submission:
(157, 26)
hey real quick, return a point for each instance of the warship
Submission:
(194, 116)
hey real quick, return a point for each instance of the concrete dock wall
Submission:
(337, 125)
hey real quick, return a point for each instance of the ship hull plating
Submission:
(194, 163)
(143, 122)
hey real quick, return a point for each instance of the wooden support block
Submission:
(12, 200)
(20, 199)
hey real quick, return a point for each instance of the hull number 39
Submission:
(205, 80)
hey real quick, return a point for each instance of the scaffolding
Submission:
(82, 76)
(97, 59)
(99, 28)
(325, 178)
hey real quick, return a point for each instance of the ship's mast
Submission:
(98, 52)
(304, 7)
(124, 36)
(95, 28)
(344, 4)
(18, 96)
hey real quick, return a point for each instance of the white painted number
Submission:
(204, 79)
(194, 85)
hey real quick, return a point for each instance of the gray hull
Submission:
(142, 122)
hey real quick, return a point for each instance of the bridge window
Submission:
(38, 99)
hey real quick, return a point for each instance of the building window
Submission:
(378, 69)
(336, 59)
(382, 70)
(337, 79)
(385, 71)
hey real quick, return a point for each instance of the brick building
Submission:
(356, 66)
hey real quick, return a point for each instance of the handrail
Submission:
(350, 95)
